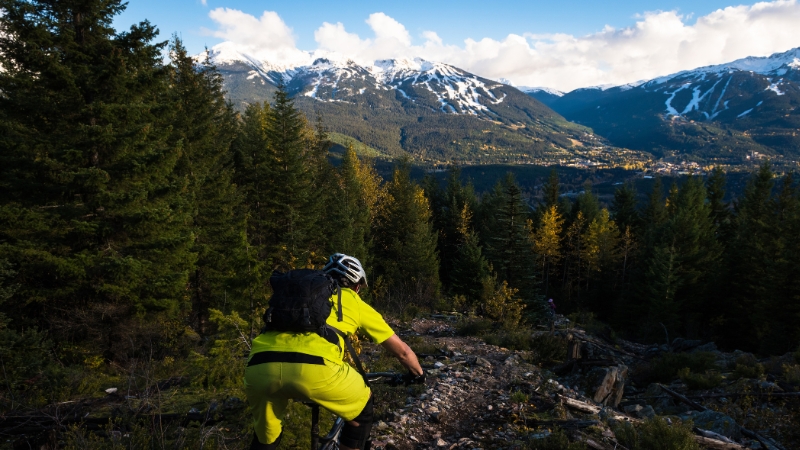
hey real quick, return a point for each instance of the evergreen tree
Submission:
(470, 270)
(252, 175)
(720, 210)
(204, 126)
(93, 219)
(587, 203)
(551, 191)
(454, 202)
(601, 254)
(751, 267)
(655, 211)
(624, 209)
(659, 307)
(692, 233)
(510, 249)
(405, 247)
(289, 198)
(785, 309)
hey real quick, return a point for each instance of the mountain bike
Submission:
(331, 440)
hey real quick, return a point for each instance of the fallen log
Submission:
(749, 433)
(606, 346)
(683, 399)
(572, 423)
(592, 409)
(717, 444)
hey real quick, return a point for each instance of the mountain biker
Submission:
(308, 367)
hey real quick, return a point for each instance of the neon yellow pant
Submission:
(336, 387)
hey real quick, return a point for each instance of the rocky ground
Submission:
(569, 388)
(484, 396)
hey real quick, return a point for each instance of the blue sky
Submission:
(454, 21)
(563, 44)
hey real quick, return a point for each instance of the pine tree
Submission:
(470, 270)
(655, 211)
(624, 210)
(587, 203)
(93, 218)
(204, 125)
(453, 202)
(751, 264)
(720, 209)
(253, 175)
(551, 191)
(405, 247)
(510, 249)
(289, 198)
(659, 307)
(785, 308)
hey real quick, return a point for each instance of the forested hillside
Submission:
(719, 113)
(141, 216)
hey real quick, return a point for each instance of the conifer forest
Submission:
(141, 216)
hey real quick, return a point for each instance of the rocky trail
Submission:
(568, 389)
(481, 396)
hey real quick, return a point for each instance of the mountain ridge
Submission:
(722, 112)
(433, 111)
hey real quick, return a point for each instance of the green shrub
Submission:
(548, 348)
(589, 322)
(665, 368)
(513, 340)
(700, 381)
(419, 345)
(742, 371)
(747, 366)
(474, 326)
(656, 434)
(410, 312)
(791, 373)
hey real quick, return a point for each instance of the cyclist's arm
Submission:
(403, 353)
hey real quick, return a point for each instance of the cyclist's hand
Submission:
(410, 378)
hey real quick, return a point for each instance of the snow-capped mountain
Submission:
(410, 105)
(329, 77)
(725, 110)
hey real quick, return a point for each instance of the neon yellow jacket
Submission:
(357, 316)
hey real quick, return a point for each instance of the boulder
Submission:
(709, 347)
(718, 423)
(684, 345)
(640, 412)
(608, 384)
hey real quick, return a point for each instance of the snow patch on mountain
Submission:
(777, 64)
(533, 90)
(774, 88)
(456, 91)
(671, 111)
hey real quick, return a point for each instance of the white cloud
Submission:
(658, 43)
(267, 37)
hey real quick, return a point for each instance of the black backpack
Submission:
(301, 301)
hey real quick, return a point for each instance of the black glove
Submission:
(410, 378)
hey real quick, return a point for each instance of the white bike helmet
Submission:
(346, 266)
